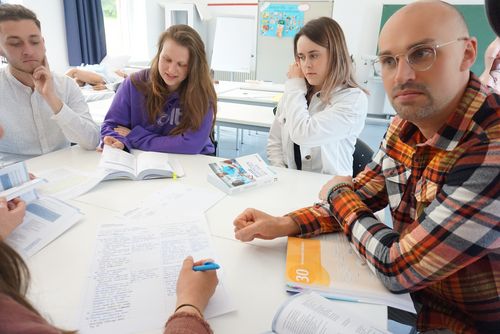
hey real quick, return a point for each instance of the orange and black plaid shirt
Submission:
(443, 195)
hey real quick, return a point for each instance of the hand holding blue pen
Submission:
(206, 266)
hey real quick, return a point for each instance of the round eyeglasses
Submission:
(420, 58)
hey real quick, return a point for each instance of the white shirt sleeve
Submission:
(337, 119)
(74, 118)
(275, 144)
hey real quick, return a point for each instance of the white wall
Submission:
(360, 21)
(156, 25)
(51, 16)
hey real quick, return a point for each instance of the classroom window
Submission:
(124, 21)
(116, 38)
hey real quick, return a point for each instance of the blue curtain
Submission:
(85, 34)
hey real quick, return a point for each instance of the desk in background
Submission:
(236, 113)
(246, 105)
(91, 95)
(254, 272)
(251, 96)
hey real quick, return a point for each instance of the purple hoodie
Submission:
(129, 110)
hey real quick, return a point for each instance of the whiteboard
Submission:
(232, 50)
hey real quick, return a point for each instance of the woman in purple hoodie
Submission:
(170, 107)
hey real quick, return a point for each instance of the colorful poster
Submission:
(281, 20)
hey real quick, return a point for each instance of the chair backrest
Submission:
(363, 154)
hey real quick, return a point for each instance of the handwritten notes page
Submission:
(132, 281)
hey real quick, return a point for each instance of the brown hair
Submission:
(196, 92)
(15, 278)
(327, 32)
(9, 12)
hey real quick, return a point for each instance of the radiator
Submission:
(233, 76)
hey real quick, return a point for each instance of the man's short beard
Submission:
(410, 114)
(415, 113)
(18, 69)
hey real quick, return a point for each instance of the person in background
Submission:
(491, 74)
(170, 107)
(323, 109)
(438, 169)
(97, 76)
(40, 111)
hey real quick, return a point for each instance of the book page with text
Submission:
(13, 176)
(117, 160)
(313, 314)
(153, 164)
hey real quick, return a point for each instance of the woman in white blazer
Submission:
(323, 109)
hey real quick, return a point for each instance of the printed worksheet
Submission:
(177, 198)
(14, 176)
(46, 219)
(132, 280)
(66, 183)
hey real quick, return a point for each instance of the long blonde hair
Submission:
(327, 32)
(196, 92)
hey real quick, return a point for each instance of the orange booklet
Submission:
(330, 266)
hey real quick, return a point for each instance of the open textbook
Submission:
(138, 165)
(46, 217)
(235, 175)
(67, 183)
(310, 313)
(328, 265)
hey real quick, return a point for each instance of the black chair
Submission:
(216, 144)
(363, 154)
(493, 12)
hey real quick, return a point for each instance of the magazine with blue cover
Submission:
(234, 175)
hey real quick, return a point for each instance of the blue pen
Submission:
(206, 266)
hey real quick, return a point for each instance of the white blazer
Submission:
(326, 132)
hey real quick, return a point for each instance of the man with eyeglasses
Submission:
(438, 169)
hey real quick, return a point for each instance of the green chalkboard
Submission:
(475, 16)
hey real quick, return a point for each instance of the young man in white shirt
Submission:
(40, 111)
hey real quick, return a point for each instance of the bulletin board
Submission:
(475, 16)
(278, 22)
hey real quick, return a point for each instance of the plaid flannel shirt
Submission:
(443, 195)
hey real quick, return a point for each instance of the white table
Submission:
(254, 272)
